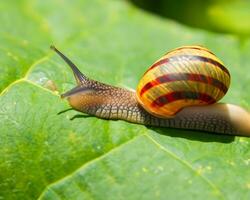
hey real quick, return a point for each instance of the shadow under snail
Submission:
(180, 90)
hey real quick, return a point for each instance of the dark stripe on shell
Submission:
(195, 47)
(190, 58)
(174, 96)
(184, 77)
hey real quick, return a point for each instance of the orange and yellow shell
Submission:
(186, 76)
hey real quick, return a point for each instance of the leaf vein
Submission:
(212, 185)
(85, 165)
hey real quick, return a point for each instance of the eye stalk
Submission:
(81, 80)
(79, 76)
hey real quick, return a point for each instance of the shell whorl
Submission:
(187, 76)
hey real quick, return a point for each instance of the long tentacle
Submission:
(79, 76)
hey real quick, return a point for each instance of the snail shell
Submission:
(186, 76)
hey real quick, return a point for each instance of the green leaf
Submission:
(49, 152)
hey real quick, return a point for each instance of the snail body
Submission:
(180, 90)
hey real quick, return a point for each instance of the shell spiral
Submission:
(186, 76)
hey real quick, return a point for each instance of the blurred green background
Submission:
(229, 16)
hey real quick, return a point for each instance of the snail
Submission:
(180, 90)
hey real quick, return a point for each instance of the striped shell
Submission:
(186, 76)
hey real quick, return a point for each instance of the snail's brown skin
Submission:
(109, 102)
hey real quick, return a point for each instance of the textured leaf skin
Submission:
(46, 154)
